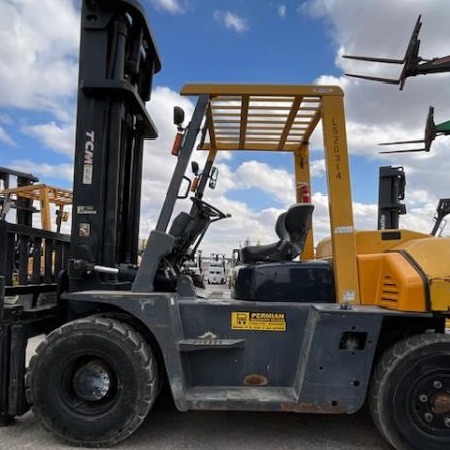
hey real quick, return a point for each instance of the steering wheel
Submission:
(209, 210)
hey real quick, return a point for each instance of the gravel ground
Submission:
(166, 428)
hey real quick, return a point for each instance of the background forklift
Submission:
(364, 321)
(23, 197)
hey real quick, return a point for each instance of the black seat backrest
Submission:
(297, 223)
(280, 227)
(292, 228)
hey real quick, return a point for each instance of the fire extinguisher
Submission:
(306, 194)
(194, 184)
(177, 143)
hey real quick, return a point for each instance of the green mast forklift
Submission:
(360, 319)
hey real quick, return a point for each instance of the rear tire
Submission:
(409, 397)
(92, 381)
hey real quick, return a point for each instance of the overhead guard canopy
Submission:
(261, 117)
(282, 118)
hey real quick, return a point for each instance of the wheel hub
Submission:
(432, 403)
(92, 381)
(440, 404)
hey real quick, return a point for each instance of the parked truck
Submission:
(359, 321)
(217, 269)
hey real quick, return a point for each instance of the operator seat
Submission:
(292, 228)
(186, 228)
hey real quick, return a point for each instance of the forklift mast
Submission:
(391, 190)
(118, 59)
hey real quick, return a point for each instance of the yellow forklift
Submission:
(360, 319)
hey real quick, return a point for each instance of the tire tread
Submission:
(386, 365)
(142, 352)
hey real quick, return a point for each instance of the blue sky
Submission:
(239, 41)
(266, 42)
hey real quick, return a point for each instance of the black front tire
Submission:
(92, 381)
(409, 397)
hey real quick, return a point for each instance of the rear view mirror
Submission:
(178, 116)
(213, 177)
(194, 167)
(188, 188)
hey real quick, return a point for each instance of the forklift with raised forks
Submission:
(359, 319)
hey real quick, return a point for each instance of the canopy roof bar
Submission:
(261, 117)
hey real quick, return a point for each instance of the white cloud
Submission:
(158, 162)
(317, 168)
(45, 172)
(172, 6)
(6, 119)
(38, 55)
(278, 183)
(282, 11)
(231, 20)
(60, 138)
(377, 112)
(6, 138)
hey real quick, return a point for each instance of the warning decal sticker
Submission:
(258, 321)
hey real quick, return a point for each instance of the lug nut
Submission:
(437, 385)
(423, 398)
(428, 417)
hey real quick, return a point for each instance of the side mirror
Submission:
(213, 177)
(178, 116)
(194, 167)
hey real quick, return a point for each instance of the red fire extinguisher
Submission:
(177, 143)
(306, 194)
(194, 184)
